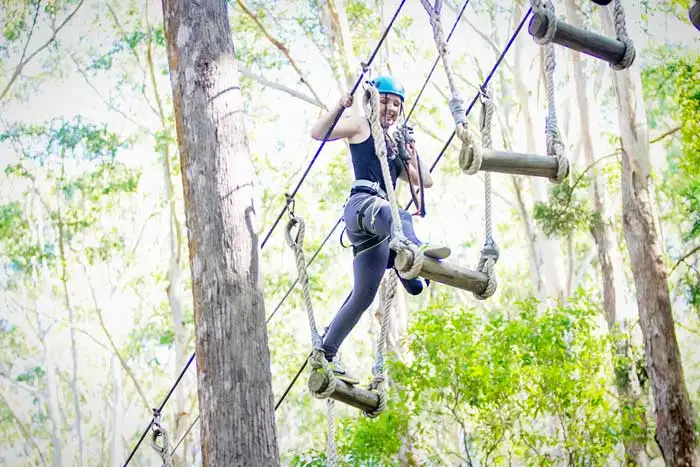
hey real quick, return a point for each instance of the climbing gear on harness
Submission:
(366, 186)
(388, 85)
(404, 136)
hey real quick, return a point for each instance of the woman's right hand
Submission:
(346, 101)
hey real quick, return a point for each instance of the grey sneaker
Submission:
(341, 373)
(435, 251)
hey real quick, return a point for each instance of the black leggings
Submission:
(369, 265)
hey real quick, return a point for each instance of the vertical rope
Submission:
(555, 147)
(331, 454)
(377, 384)
(317, 360)
(471, 153)
(398, 239)
(621, 33)
(489, 254)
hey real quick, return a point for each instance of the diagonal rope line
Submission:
(335, 122)
(437, 159)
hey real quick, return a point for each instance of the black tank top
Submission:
(367, 166)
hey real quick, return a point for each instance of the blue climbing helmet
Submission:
(388, 85)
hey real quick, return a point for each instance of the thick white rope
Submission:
(377, 384)
(317, 360)
(398, 240)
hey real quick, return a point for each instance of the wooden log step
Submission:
(354, 396)
(519, 164)
(581, 40)
(446, 273)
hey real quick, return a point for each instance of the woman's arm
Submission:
(347, 127)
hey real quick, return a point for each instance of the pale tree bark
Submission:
(675, 419)
(549, 257)
(233, 359)
(175, 279)
(614, 299)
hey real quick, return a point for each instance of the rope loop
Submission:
(546, 8)
(471, 153)
(318, 362)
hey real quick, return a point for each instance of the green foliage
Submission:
(71, 167)
(673, 99)
(567, 210)
(499, 377)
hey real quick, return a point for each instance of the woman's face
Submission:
(389, 109)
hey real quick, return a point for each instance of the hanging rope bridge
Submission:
(554, 148)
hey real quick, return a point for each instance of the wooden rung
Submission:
(446, 273)
(694, 14)
(519, 164)
(581, 40)
(362, 399)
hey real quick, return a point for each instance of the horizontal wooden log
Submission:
(519, 164)
(694, 14)
(446, 273)
(581, 40)
(354, 396)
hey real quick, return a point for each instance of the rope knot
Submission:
(414, 261)
(318, 362)
(471, 153)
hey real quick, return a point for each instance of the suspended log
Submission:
(694, 14)
(581, 40)
(519, 164)
(354, 396)
(445, 273)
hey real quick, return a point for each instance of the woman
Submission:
(367, 212)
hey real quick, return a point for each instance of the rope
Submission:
(489, 254)
(317, 359)
(621, 33)
(365, 67)
(471, 153)
(398, 240)
(331, 454)
(163, 450)
(379, 378)
(555, 146)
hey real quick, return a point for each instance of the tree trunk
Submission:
(233, 358)
(675, 421)
(606, 243)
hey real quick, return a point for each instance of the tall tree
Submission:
(233, 359)
(675, 419)
(605, 239)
